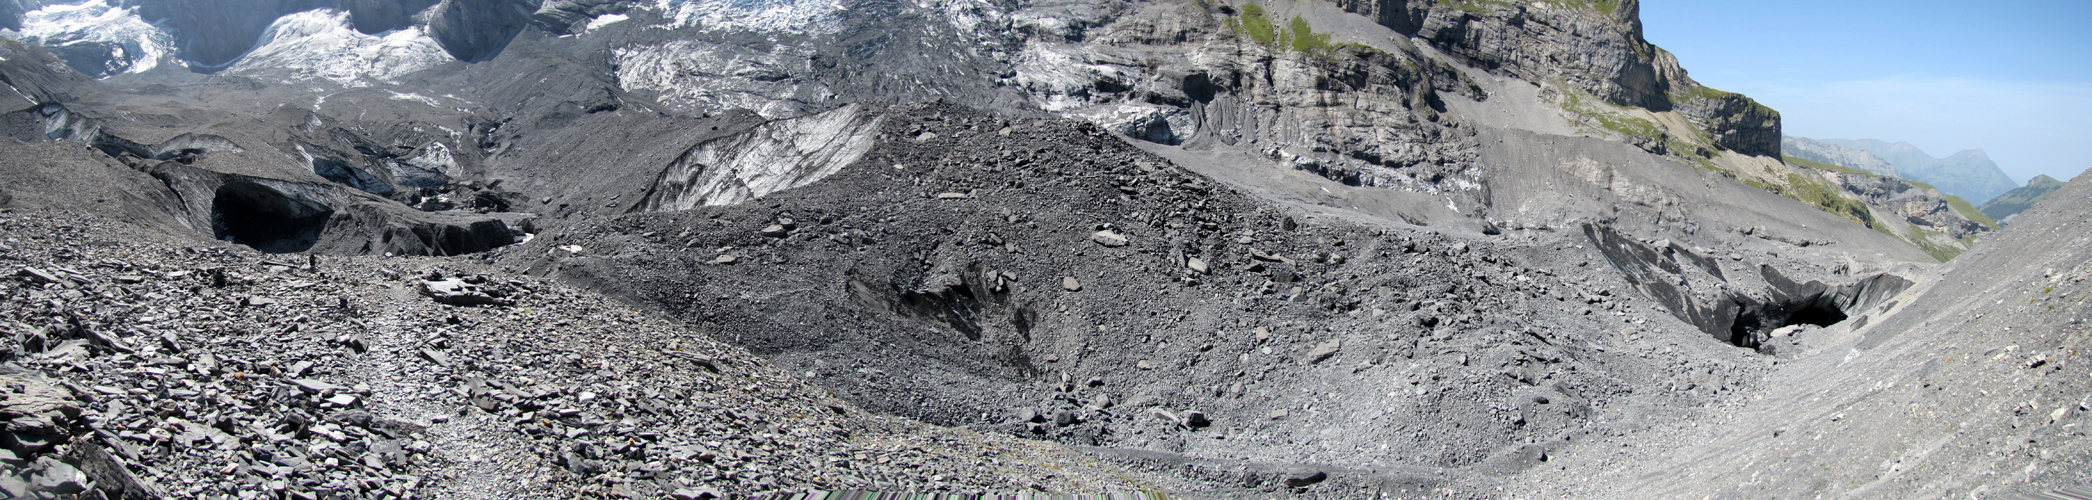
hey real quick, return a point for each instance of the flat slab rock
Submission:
(458, 293)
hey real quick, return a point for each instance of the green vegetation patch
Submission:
(1257, 26)
(1923, 238)
(1828, 166)
(1304, 38)
(1478, 6)
(1822, 195)
(1700, 92)
(1969, 210)
(1607, 7)
(1632, 126)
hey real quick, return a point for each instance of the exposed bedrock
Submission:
(211, 34)
(477, 30)
(1586, 47)
(377, 16)
(1741, 309)
(569, 16)
(1921, 206)
(1357, 115)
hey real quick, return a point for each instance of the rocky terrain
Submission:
(141, 368)
(703, 249)
(1979, 369)
(2019, 199)
(1942, 224)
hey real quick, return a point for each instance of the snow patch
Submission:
(397, 96)
(603, 20)
(320, 44)
(772, 157)
(134, 46)
(789, 16)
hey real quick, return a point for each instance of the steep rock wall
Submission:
(1585, 47)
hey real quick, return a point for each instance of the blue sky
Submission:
(2013, 78)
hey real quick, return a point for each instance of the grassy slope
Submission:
(2022, 198)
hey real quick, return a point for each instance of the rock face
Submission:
(1183, 74)
(2020, 199)
(211, 34)
(1588, 48)
(474, 30)
(1823, 152)
(378, 16)
(1917, 205)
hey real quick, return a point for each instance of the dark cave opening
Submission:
(1755, 322)
(267, 219)
(1818, 312)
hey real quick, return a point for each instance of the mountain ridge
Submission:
(1969, 174)
(2019, 199)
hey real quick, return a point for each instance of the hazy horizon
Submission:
(1939, 75)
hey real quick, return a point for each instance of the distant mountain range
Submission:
(2018, 200)
(1969, 174)
(1819, 151)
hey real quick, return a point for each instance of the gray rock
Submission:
(106, 339)
(776, 231)
(53, 476)
(1323, 351)
(1196, 419)
(37, 275)
(457, 292)
(315, 386)
(16, 487)
(1029, 415)
(1196, 265)
(1302, 478)
(1109, 238)
(435, 356)
(1070, 284)
(1064, 418)
(695, 494)
(205, 363)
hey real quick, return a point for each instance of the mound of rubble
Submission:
(140, 366)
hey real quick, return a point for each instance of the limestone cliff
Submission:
(1594, 48)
